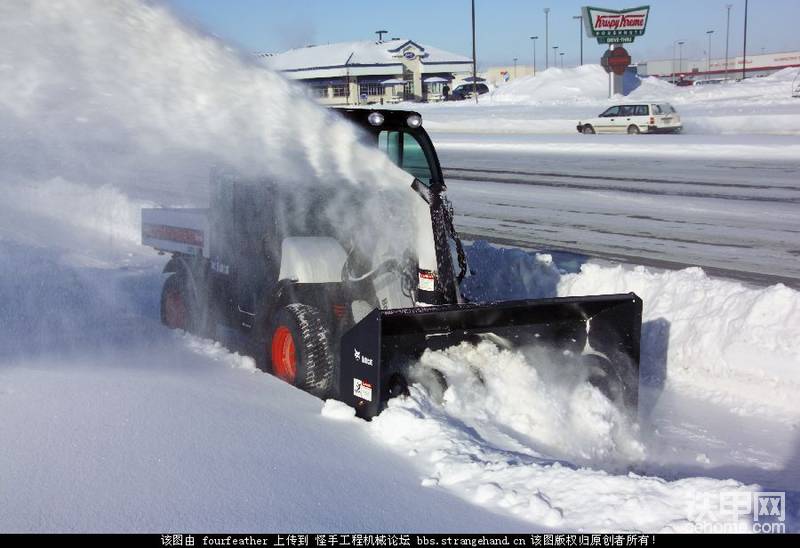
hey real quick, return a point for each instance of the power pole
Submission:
(727, 40)
(744, 52)
(546, 38)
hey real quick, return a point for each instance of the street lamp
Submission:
(474, 59)
(680, 56)
(580, 34)
(708, 63)
(533, 39)
(744, 50)
(380, 34)
(546, 38)
(555, 56)
(515, 68)
(562, 59)
(727, 39)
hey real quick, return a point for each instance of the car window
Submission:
(667, 108)
(657, 109)
(640, 110)
(613, 111)
(626, 110)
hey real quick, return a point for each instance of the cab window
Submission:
(405, 151)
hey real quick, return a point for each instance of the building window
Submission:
(319, 91)
(370, 89)
(341, 90)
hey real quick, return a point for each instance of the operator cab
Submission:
(399, 134)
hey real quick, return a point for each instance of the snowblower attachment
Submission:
(602, 332)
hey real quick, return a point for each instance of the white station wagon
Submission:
(634, 119)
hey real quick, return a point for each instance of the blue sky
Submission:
(503, 26)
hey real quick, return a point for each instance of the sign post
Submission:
(615, 27)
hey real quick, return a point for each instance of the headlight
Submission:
(375, 118)
(414, 121)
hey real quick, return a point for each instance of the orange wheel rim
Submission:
(175, 310)
(284, 356)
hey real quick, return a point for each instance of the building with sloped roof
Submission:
(352, 73)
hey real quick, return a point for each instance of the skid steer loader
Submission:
(254, 272)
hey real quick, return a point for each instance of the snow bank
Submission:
(587, 83)
(735, 344)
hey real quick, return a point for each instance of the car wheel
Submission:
(633, 130)
(588, 130)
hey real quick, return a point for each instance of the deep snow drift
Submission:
(554, 101)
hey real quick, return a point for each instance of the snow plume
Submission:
(126, 95)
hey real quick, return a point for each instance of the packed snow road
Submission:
(728, 204)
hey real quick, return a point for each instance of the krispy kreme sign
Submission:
(615, 26)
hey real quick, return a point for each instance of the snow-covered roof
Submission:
(348, 54)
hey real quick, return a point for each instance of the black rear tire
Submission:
(176, 305)
(311, 340)
(176, 293)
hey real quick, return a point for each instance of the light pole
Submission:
(744, 50)
(515, 68)
(380, 34)
(474, 60)
(562, 59)
(680, 56)
(580, 35)
(546, 38)
(708, 63)
(727, 39)
(555, 56)
(674, 58)
(533, 39)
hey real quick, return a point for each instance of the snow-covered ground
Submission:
(110, 422)
(555, 100)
